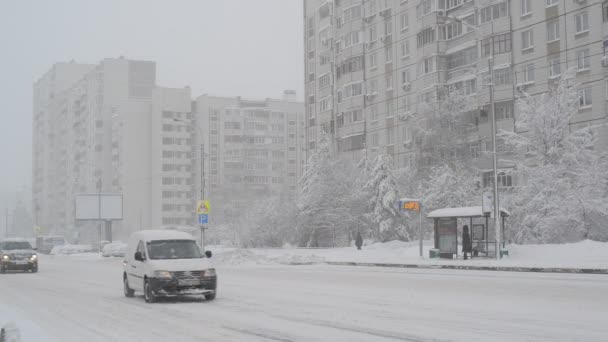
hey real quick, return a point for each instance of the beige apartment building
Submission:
(371, 65)
(253, 149)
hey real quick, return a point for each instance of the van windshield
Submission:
(173, 249)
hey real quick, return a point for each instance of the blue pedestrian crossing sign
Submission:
(203, 219)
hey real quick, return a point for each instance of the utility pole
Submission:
(6, 224)
(494, 162)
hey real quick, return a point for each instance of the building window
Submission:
(463, 57)
(493, 12)
(374, 112)
(605, 11)
(584, 98)
(389, 82)
(388, 54)
(353, 12)
(527, 40)
(373, 60)
(373, 86)
(529, 73)
(353, 89)
(526, 7)
(502, 76)
(582, 22)
(553, 31)
(372, 33)
(405, 76)
(427, 66)
(325, 104)
(405, 22)
(388, 28)
(583, 60)
(452, 30)
(324, 81)
(552, 2)
(405, 49)
(496, 45)
(426, 36)
(390, 136)
(425, 7)
(375, 139)
(554, 67)
(504, 179)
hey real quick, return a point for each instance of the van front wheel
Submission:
(129, 292)
(148, 293)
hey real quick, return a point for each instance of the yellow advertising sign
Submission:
(415, 206)
(203, 207)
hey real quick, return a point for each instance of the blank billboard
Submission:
(98, 206)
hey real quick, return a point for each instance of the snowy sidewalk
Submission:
(582, 257)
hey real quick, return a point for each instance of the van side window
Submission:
(140, 248)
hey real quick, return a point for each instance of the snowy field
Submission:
(79, 298)
(585, 254)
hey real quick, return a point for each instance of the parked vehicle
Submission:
(167, 263)
(45, 244)
(17, 255)
(114, 249)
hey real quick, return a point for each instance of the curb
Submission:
(476, 268)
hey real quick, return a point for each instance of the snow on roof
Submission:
(461, 212)
(162, 234)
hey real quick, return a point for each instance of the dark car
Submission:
(17, 255)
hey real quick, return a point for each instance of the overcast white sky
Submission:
(251, 48)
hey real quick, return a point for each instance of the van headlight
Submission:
(210, 272)
(163, 274)
(6, 257)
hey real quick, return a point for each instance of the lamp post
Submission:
(202, 169)
(496, 210)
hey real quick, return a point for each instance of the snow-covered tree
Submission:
(450, 185)
(563, 181)
(389, 222)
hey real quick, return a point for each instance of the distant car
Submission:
(114, 249)
(17, 255)
(45, 244)
(167, 263)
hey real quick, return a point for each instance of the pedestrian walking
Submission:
(359, 240)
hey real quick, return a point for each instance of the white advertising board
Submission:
(102, 206)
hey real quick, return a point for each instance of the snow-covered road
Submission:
(77, 299)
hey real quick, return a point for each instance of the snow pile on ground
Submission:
(584, 254)
(10, 333)
(235, 256)
(72, 249)
(115, 249)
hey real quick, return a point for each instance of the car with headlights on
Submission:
(17, 255)
(167, 263)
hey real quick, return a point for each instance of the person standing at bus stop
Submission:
(467, 246)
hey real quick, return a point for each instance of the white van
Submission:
(167, 263)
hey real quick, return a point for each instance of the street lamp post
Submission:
(202, 169)
(496, 213)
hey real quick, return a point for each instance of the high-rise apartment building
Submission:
(109, 128)
(371, 65)
(253, 149)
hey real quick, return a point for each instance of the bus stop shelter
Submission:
(446, 230)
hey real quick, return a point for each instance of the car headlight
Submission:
(210, 272)
(34, 257)
(6, 257)
(163, 274)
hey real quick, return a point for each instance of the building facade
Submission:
(373, 65)
(253, 149)
(108, 128)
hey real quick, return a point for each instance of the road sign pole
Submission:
(420, 232)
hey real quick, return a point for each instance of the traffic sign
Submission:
(203, 219)
(203, 207)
